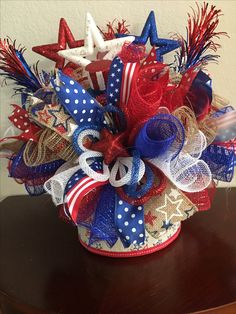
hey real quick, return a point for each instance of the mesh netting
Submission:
(56, 185)
(204, 198)
(20, 170)
(160, 134)
(220, 161)
(185, 170)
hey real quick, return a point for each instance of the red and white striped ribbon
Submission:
(75, 195)
(226, 120)
(128, 74)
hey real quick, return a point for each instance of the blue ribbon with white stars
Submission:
(81, 106)
(114, 81)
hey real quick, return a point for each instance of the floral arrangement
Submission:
(127, 145)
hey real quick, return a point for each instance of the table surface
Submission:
(44, 269)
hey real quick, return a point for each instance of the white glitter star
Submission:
(93, 38)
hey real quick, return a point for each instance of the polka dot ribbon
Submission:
(82, 107)
(21, 121)
(114, 217)
(129, 221)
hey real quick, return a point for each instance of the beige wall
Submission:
(36, 22)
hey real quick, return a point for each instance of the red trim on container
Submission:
(132, 253)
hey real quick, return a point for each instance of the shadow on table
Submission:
(185, 277)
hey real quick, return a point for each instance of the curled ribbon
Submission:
(179, 158)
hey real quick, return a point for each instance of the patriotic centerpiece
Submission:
(127, 145)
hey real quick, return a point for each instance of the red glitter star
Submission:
(149, 218)
(110, 145)
(65, 36)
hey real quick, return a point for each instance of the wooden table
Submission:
(44, 269)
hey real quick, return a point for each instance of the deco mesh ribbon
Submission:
(127, 146)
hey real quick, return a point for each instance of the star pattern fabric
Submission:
(162, 212)
(129, 221)
(173, 208)
(59, 118)
(149, 218)
(53, 116)
(44, 116)
(82, 107)
(114, 82)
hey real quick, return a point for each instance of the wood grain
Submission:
(44, 269)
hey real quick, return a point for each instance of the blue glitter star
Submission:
(150, 32)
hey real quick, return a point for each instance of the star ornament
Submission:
(110, 145)
(65, 37)
(93, 38)
(149, 31)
